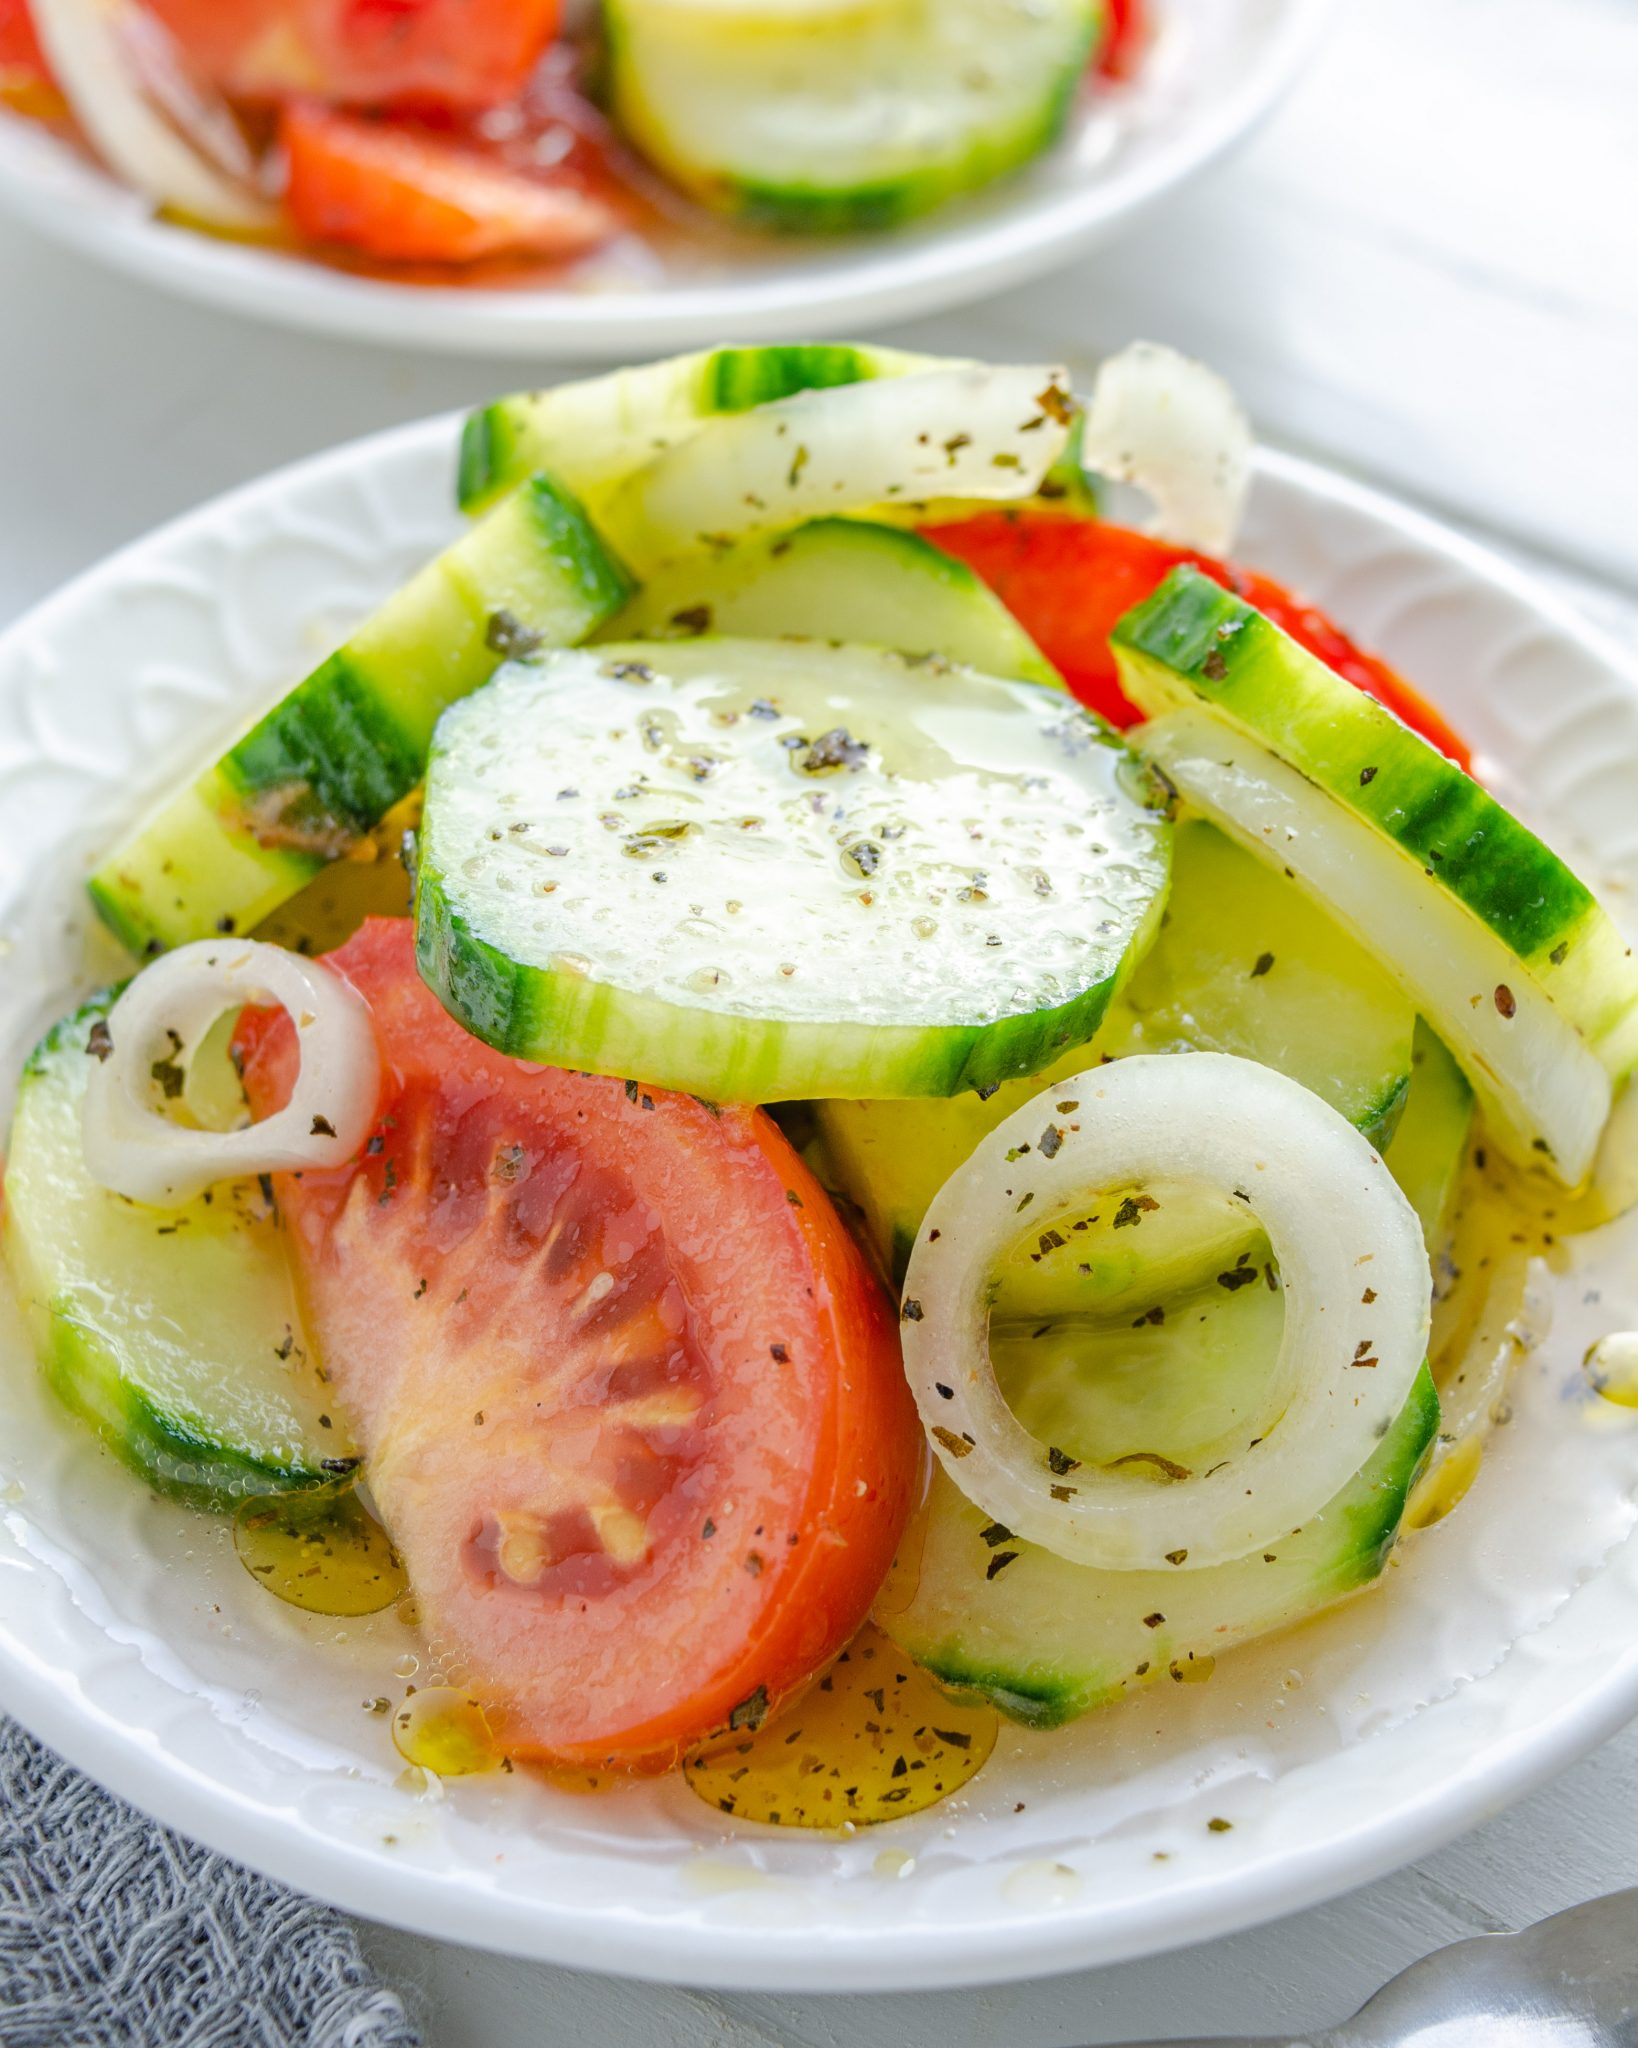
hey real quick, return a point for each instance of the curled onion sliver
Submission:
(1352, 1262)
(952, 430)
(83, 43)
(157, 1026)
(1175, 429)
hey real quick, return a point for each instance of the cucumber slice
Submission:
(1103, 1381)
(594, 433)
(1046, 1640)
(1426, 1153)
(1542, 1090)
(1103, 1270)
(1248, 964)
(758, 870)
(809, 129)
(1320, 1012)
(972, 431)
(175, 1333)
(838, 579)
(334, 755)
(1193, 643)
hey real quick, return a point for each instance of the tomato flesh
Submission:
(23, 66)
(1128, 34)
(405, 196)
(460, 53)
(632, 1404)
(1068, 580)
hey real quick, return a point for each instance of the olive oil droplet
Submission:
(1611, 1367)
(445, 1731)
(318, 1550)
(369, 881)
(877, 1738)
(1446, 1485)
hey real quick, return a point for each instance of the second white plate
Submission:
(1216, 67)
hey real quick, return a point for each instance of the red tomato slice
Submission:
(632, 1403)
(23, 68)
(1124, 44)
(404, 196)
(459, 53)
(1068, 580)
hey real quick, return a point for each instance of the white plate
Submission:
(1505, 1642)
(1216, 67)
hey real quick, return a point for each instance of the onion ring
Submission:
(157, 1026)
(1353, 1267)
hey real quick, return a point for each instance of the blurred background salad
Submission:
(505, 139)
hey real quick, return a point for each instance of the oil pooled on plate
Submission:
(875, 1739)
(446, 1731)
(319, 1550)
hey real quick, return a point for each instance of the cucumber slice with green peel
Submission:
(1194, 643)
(1109, 1386)
(1069, 484)
(333, 756)
(1095, 1266)
(1426, 1153)
(838, 579)
(175, 1333)
(760, 870)
(805, 128)
(1047, 1640)
(977, 431)
(1543, 1092)
(1248, 964)
(1320, 1012)
(594, 433)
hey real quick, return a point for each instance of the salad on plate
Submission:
(824, 1088)
(508, 140)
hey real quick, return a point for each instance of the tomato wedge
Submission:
(405, 196)
(1128, 35)
(23, 67)
(446, 53)
(632, 1403)
(1068, 579)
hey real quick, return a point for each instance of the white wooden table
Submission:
(1425, 270)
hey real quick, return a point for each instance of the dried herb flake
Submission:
(751, 1712)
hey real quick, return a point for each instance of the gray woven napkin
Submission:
(115, 1933)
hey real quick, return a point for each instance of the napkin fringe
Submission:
(116, 1933)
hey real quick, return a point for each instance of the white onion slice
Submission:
(1357, 1300)
(161, 1020)
(83, 43)
(199, 114)
(961, 430)
(1535, 1075)
(1175, 429)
